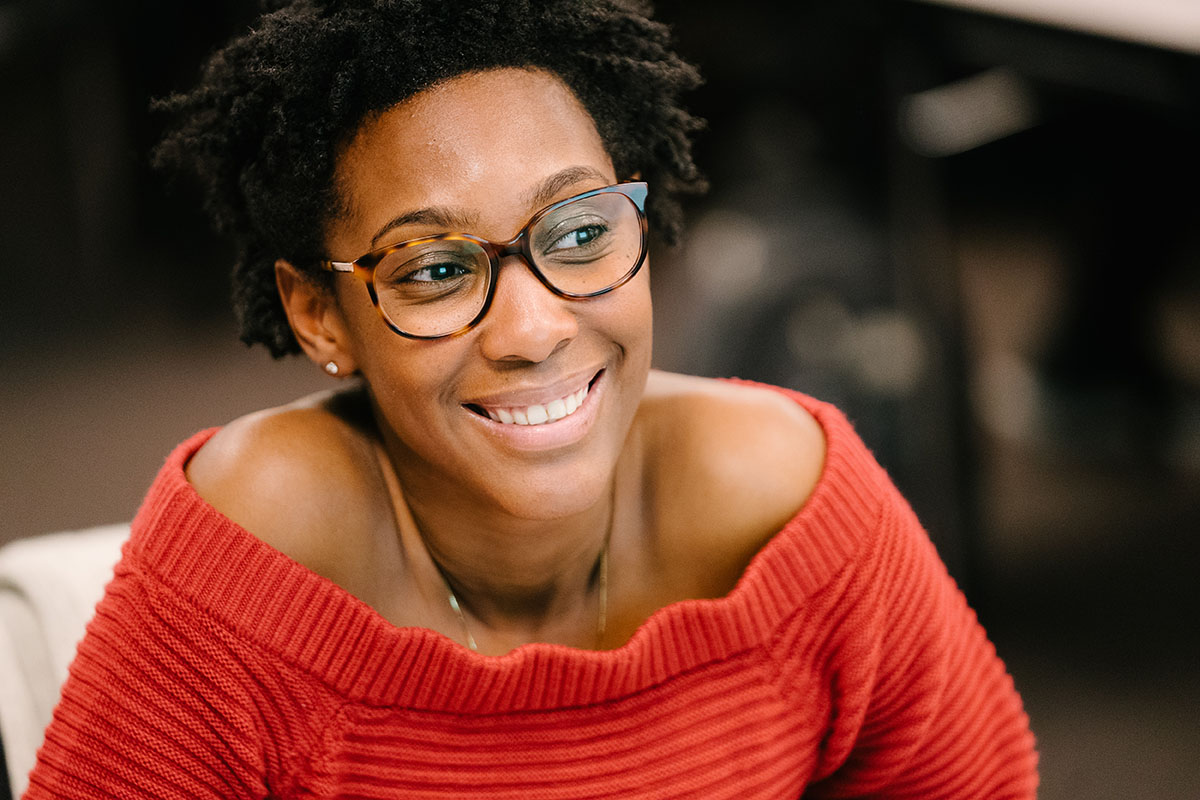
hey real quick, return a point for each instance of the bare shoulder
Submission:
(735, 461)
(298, 477)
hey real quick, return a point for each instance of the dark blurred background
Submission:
(976, 232)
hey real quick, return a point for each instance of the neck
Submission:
(541, 630)
(514, 580)
(526, 579)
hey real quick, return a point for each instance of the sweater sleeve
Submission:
(154, 707)
(923, 707)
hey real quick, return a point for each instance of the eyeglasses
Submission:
(438, 286)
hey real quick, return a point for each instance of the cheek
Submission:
(395, 369)
(359, 315)
(638, 312)
(381, 354)
(414, 377)
(412, 391)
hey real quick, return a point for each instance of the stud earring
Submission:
(331, 367)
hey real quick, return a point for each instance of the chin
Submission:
(545, 494)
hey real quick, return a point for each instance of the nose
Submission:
(526, 321)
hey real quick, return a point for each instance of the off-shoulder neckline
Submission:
(263, 597)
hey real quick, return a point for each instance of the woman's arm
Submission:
(153, 707)
(925, 708)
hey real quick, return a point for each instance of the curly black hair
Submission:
(263, 128)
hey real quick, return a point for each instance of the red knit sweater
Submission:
(844, 663)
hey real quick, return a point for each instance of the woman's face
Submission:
(480, 154)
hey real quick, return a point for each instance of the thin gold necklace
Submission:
(601, 614)
(402, 511)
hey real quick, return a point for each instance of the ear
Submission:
(316, 320)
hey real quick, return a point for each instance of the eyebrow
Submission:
(438, 216)
(549, 189)
(452, 220)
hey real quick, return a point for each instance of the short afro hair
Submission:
(263, 128)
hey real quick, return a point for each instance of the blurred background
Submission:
(975, 226)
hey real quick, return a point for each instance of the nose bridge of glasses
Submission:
(513, 247)
(517, 246)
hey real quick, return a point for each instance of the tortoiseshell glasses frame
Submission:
(609, 246)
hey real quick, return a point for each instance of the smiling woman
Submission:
(505, 557)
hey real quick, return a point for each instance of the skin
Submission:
(366, 487)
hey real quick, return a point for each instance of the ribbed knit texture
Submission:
(844, 664)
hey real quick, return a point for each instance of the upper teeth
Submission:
(540, 414)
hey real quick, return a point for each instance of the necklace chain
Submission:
(402, 510)
(461, 616)
(601, 615)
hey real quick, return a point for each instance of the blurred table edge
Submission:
(1169, 24)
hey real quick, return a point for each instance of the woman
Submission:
(507, 558)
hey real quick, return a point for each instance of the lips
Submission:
(539, 414)
(536, 413)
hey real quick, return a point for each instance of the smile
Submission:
(539, 414)
(536, 414)
(519, 425)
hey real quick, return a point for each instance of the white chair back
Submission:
(49, 587)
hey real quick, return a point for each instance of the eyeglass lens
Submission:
(437, 286)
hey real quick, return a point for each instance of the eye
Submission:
(435, 272)
(579, 237)
(432, 263)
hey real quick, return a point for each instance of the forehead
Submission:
(463, 142)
